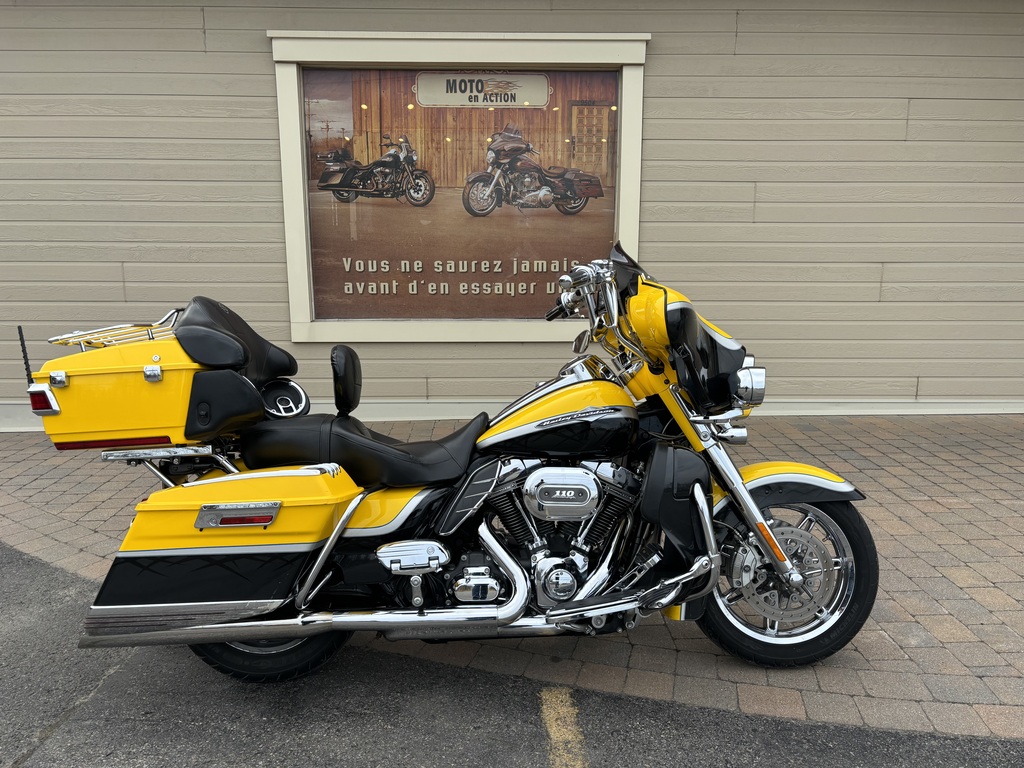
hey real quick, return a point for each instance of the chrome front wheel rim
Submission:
(754, 600)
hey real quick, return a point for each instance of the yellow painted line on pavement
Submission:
(559, 713)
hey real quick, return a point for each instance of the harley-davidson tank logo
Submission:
(588, 414)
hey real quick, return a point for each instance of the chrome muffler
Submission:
(439, 623)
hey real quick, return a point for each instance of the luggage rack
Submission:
(125, 333)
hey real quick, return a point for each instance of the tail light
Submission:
(43, 401)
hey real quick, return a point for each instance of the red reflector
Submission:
(121, 442)
(248, 520)
(40, 401)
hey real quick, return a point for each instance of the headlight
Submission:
(751, 387)
(490, 156)
(413, 156)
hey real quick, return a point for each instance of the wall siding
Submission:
(840, 183)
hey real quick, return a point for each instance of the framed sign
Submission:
(441, 202)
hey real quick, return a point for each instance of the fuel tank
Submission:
(580, 414)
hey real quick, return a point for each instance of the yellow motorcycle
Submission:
(598, 497)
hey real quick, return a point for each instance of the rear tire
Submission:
(272, 661)
(572, 207)
(751, 615)
(344, 195)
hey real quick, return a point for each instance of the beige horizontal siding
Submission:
(839, 183)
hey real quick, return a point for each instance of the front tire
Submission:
(272, 661)
(751, 614)
(420, 190)
(475, 199)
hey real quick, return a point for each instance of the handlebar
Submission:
(557, 312)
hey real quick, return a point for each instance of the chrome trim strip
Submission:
(105, 620)
(311, 471)
(262, 549)
(793, 477)
(627, 411)
(182, 609)
(394, 525)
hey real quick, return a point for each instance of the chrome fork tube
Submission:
(497, 174)
(751, 513)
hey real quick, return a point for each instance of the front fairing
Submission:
(703, 359)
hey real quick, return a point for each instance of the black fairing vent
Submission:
(667, 496)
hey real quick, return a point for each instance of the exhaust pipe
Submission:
(441, 623)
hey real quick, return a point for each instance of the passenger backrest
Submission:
(348, 378)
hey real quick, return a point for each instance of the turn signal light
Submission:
(248, 520)
(42, 400)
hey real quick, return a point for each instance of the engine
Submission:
(531, 193)
(561, 516)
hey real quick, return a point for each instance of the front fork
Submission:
(494, 182)
(732, 482)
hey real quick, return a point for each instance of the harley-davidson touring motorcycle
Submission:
(513, 177)
(601, 496)
(394, 175)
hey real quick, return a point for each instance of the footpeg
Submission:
(408, 558)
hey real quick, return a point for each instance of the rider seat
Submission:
(555, 172)
(370, 458)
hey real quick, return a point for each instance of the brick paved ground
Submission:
(943, 650)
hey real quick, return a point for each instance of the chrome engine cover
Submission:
(562, 493)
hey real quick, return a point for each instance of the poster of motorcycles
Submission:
(453, 194)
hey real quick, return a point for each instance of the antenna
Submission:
(24, 356)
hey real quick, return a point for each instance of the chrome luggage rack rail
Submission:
(125, 333)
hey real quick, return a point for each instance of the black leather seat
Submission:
(370, 458)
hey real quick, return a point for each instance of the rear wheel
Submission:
(272, 661)
(344, 195)
(754, 615)
(572, 207)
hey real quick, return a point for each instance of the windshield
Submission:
(626, 271)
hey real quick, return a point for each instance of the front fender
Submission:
(479, 176)
(785, 482)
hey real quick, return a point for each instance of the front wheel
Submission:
(476, 200)
(419, 191)
(272, 661)
(753, 615)
(572, 207)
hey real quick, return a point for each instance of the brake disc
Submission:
(764, 592)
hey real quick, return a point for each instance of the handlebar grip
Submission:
(556, 312)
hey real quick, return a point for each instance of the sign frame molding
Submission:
(625, 52)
